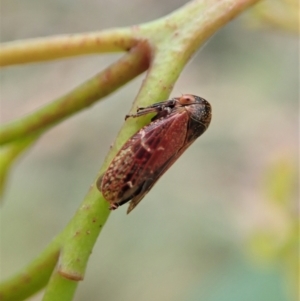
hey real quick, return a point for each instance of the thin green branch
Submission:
(8, 154)
(60, 288)
(176, 38)
(82, 234)
(74, 245)
(32, 278)
(173, 39)
(104, 83)
(44, 49)
(78, 240)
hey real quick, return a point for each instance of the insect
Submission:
(148, 154)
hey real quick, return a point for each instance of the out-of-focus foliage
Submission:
(281, 14)
(223, 198)
(276, 238)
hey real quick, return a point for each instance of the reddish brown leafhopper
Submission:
(147, 155)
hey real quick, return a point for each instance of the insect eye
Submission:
(186, 99)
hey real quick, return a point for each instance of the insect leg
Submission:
(113, 206)
(155, 108)
(137, 198)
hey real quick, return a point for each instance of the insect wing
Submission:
(148, 154)
(149, 183)
(144, 157)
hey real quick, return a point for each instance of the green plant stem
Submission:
(74, 245)
(8, 154)
(173, 40)
(32, 278)
(77, 243)
(104, 83)
(60, 288)
(82, 234)
(50, 48)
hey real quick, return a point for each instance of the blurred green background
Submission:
(222, 222)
